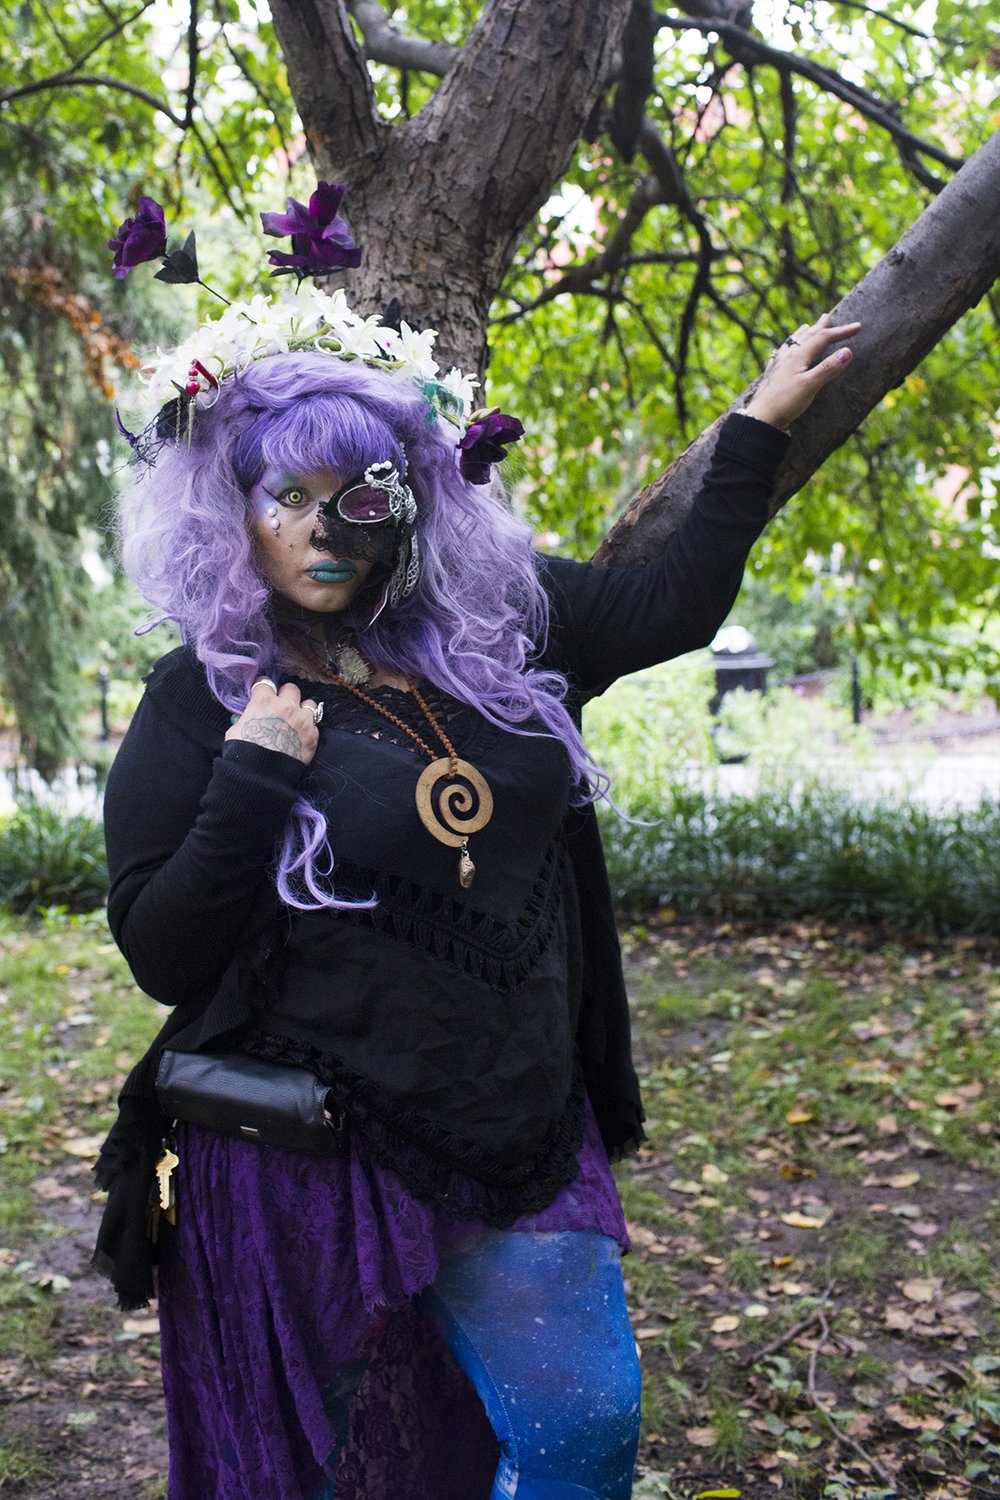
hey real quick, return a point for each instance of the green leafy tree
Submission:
(624, 209)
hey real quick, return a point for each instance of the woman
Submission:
(351, 828)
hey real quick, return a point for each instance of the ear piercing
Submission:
(273, 519)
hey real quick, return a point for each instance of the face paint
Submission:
(320, 579)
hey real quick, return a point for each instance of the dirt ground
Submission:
(814, 1284)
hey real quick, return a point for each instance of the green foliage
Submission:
(612, 382)
(807, 851)
(803, 842)
(72, 160)
(797, 194)
(49, 859)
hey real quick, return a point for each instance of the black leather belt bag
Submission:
(273, 1104)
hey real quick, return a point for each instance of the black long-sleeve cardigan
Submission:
(192, 822)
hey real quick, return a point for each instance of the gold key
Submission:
(165, 1168)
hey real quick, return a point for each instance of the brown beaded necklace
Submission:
(452, 812)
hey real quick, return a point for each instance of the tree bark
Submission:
(941, 267)
(446, 196)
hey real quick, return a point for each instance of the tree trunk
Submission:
(941, 267)
(440, 202)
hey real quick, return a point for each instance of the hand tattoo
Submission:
(274, 734)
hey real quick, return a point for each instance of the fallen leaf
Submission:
(902, 1418)
(887, 1125)
(799, 1116)
(684, 1185)
(82, 1145)
(756, 1310)
(141, 1325)
(50, 1188)
(959, 1301)
(919, 1291)
(718, 1495)
(712, 1173)
(805, 1221)
(904, 1180)
(948, 1099)
(701, 1437)
(725, 1323)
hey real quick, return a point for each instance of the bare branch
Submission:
(92, 80)
(636, 79)
(745, 48)
(582, 277)
(891, 20)
(384, 44)
(265, 98)
(192, 46)
(108, 35)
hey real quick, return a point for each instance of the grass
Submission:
(850, 1083)
(797, 1071)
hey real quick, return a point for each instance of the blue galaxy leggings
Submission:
(539, 1325)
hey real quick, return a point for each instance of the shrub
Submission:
(50, 858)
(807, 850)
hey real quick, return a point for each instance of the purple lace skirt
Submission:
(282, 1268)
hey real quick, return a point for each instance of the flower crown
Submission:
(189, 377)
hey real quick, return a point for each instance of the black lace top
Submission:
(442, 1018)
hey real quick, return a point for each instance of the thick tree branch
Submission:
(744, 47)
(462, 180)
(384, 44)
(330, 84)
(943, 265)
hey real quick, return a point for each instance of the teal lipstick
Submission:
(332, 572)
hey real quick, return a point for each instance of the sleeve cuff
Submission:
(272, 766)
(756, 444)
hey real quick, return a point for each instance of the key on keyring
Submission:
(165, 1168)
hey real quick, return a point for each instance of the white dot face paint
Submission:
(284, 507)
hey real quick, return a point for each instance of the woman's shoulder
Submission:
(178, 685)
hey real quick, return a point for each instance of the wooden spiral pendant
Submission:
(450, 813)
(454, 811)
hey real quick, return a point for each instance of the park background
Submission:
(808, 879)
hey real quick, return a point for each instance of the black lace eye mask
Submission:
(345, 539)
(365, 520)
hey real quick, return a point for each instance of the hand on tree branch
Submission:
(792, 379)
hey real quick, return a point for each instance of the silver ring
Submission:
(791, 339)
(270, 682)
(317, 713)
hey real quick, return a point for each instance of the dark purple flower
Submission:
(140, 239)
(321, 241)
(483, 443)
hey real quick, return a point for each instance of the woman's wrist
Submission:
(764, 414)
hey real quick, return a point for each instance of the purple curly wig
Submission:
(473, 625)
